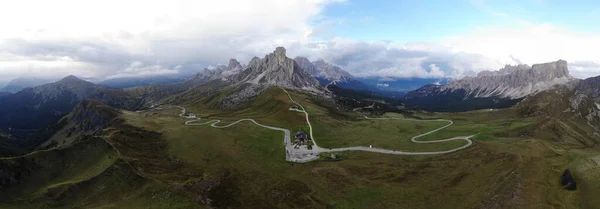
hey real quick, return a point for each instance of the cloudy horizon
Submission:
(404, 39)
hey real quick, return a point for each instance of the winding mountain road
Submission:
(303, 154)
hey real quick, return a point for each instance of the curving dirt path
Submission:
(303, 154)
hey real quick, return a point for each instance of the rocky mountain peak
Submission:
(550, 70)
(277, 69)
(70, 78)
(514, 81)
(331, 72)
(73, 81)
(320, 61)
(234, 64)
(280, 54)
(305, 64)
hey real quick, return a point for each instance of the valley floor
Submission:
(304, 153)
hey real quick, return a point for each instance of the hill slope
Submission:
(565, 116)
(34, 108)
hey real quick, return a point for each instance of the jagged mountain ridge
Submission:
(277, 69)
(219, 72)
(34, 108)
(322, 69)
(514, 81)
(498, 89)
(327, 74)
(274, 69)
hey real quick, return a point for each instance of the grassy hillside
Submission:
(149, 159)
(88, 174)
(498, 171)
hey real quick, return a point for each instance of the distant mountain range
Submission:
(233, 86)
(498, 89)
(19, 84)
(37, 107)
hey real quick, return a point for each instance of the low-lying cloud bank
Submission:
(166, 38)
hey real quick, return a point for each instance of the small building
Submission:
(300, 137)
(191, 115)
(295, 107)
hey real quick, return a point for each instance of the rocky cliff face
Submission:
(307, 65)
(514, 81)
(279, 70)
(327, 73)
(590, 87)
(219, 72)
(324, 70)
(499, 89)
(331, 72)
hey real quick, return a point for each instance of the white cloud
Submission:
(139, 69)
(486, 48)
(383, 84)
(532, 43)
(435, 71)
(110, 39)
(102, 37)
(393, 60)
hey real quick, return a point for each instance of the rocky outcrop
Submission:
(498, 89)
(278, 70)
(327, 74)
(514, 81)
(331, 72)
(219, 72)
(589, 87)
(323, 70)
(307, 65)
(567, 180)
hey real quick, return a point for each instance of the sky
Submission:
(368, 38)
